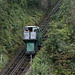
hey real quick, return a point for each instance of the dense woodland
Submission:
(57, 56)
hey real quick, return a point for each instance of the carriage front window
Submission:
(30, 29)
(30, 33)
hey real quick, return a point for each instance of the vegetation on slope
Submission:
(14, 15)
(57, 57)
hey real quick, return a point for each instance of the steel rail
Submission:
(25, 70)
(50, 13)
(17, 66)
(12, 61)
(22, 68)
(45, 25)
(15, 63)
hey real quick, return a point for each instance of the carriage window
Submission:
(30, 29)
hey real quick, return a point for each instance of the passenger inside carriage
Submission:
(35, 30)
(26, 30)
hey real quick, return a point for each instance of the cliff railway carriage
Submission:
(32, 36)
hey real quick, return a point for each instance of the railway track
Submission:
(47, 20)
(16, 58)
(20, 64)
(23, 68)
(14, 71)
(14, 64)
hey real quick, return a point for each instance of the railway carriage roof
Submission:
(31, 26)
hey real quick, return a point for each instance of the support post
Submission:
(31, 60)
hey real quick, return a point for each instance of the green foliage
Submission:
(34, 3)
(59, 47)
(60, 43)
(27, 3)
(53, 2)
(42, 65)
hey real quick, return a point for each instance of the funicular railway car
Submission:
(32, 36)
